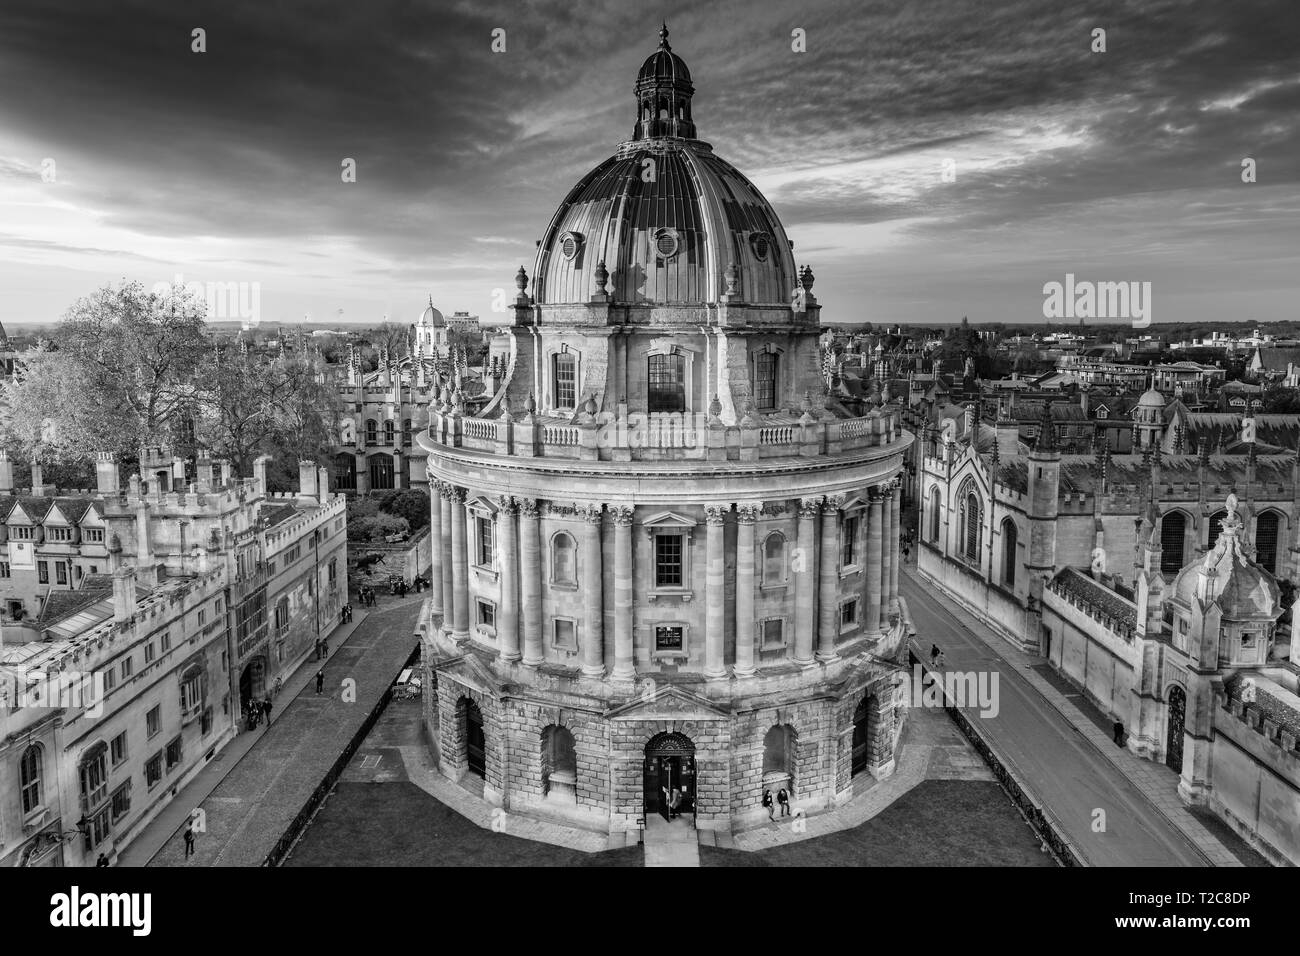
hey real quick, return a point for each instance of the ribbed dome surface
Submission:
(713, 215)
(664, 64)
(1227, 576)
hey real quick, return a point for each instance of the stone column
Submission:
(459, 566)
(624, 594)
(746, 516)
(593, 644)
(435, 546)
(444, 569)
(828, 628)
(895, 522)
(875, 542)
(530, 580)
(715, 618)
(802, 564)
(508, 562)
(887, 555)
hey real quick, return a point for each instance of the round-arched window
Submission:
(666, 243)
(570, 243)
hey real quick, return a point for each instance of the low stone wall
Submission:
(1042, 819)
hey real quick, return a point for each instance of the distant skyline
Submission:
(224, 166)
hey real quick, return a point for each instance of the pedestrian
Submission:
(189, 839)
(934, 653)
(266, 710)
(347, 610)
(1119, 733)
(783, 798)
(343, 614)
(320, 680)
(102, 861)
(674, 801)
(325, 647)
(767, 803)
(318, 648)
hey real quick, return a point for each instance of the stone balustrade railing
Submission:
(606, 437)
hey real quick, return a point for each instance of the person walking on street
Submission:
(189, 839)
(783, 798)
(767, 803)
(318, 648)
(325, 647)
(266, 709)
(320, 680)
(1119, 733)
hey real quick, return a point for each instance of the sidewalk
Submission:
(250, 804)
(1155, 781)
(170, 821)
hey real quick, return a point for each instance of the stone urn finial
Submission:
(602, 276)
(521, 280)
(732, 279)
(715, 407)
(530, 406)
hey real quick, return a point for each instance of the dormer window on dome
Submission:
(571, 245)
(666, 243)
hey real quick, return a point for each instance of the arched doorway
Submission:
(862, 736)
(345, 471)
(1177, 722)
(381, 472)
(669, 765)
(778, 759)
(475, 742)
(559, 765)
(252, 682)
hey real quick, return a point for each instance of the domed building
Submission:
(666, 557)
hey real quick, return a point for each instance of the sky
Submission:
(931, 159)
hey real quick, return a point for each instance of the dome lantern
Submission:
(663, 95)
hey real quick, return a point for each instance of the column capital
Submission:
(428, 473)
(747, 511)
(527, 507)
(832, 504)
(622, 515)
(716, 514)
(589, 511)
(875, 494)
(808, 507)
(455, 494)
(506, 506)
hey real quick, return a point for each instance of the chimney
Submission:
(39, 488)
(259, 472)
(143, 546)
(968, 420)
(124, 603)
(226, 476)
(107, 478)
(323, 479)
(203, 474)
(307, 483)
(178, 474)
(6, 473)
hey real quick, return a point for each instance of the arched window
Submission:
(1008, 552)
(1266, 526)
(372, 431)
(1173, 528)
(388, 431)
(564, 570)
(774, 567)
(972, 520)
(30, 778)
(778, 750)
(1216, 526)
(934, 514)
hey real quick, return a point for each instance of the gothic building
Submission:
(666, 554)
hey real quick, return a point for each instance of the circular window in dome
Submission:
(666, 243)
(760, 243)
(570, 244)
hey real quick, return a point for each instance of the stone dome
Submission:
(665, 216)
(1227, 576)
(1151, 399)
(663, 63)
(431, 316)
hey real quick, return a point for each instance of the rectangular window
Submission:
(166, 640)
(94, 779)
(566, 384)
(487, 614)
(153, 721)
(773, 633)
(670, 637)
(849, 613)
(42, 572)
(173, 753)
(849, 543)
(668, 560)
(153, 769)
(98, 829)
(191, 691)
(566, 635)
(128, 667)
(95, 535)
(121, 801)
(110, 679)
(148, 653)
(117, 748)
(666, 383)
(765, 382)
(60, 572)
(4, 569)
(486, 543)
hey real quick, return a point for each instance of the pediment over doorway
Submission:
(669, 702)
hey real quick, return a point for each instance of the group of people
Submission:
(257, 711)
(782, 798)
(367, 594)
(322, 648)
(345, 614)
(936, 656)
(674, 799)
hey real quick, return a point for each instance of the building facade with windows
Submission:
(207, 596)
(666, 557)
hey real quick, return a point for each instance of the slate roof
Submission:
(1080, 587)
